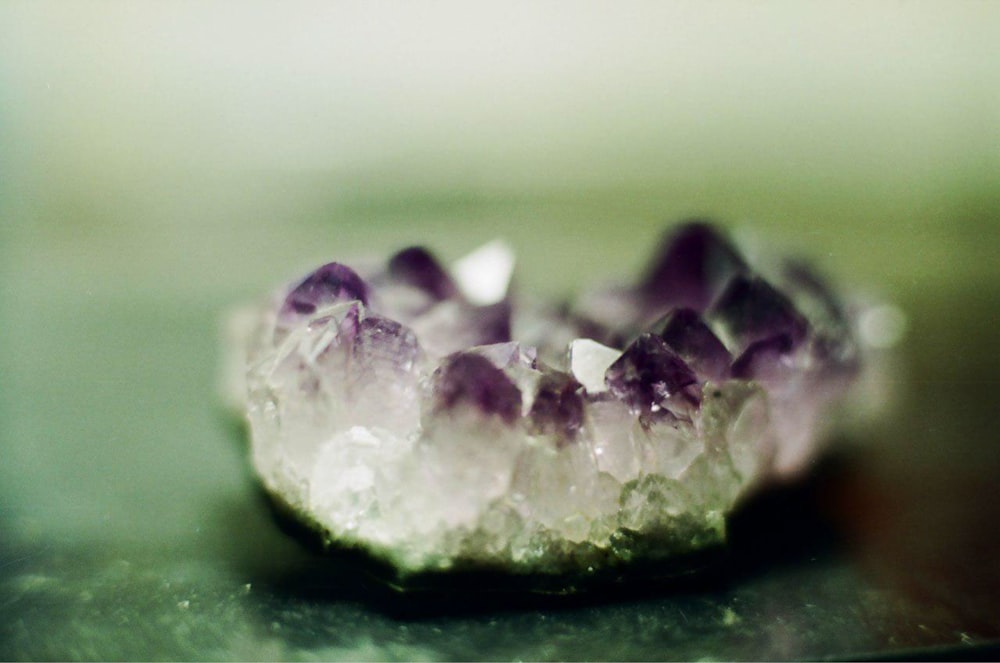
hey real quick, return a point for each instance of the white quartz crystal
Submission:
(589, 360)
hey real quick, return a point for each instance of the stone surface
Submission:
(438, 420)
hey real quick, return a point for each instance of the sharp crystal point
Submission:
(438, 421)
(688, 335)
(329, 284)
(650, 377)
(470, 380)
(416, 267)
(750, 309)
(692, 265)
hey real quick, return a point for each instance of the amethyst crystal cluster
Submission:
(437, 420)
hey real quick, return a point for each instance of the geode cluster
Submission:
(436, 420)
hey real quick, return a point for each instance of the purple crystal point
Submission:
(765, 360)
(558, 407)
(752, 310)
(417, 267)
(692, 265)
(329, 284)
(383, 345)
(472, 380)
(650, 377)
(688, 335)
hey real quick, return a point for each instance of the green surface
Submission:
(157, 169)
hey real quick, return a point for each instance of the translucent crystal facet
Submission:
(651, 378)
(686, 334)
(438, 420)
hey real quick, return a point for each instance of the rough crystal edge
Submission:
(636, 564)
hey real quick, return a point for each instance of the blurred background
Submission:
(160, 162)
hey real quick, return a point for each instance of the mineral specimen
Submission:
(439, 421)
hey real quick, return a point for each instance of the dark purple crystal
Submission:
(650, 377)
(558, 407)
(472, 380)
(763, 359)
(329, 284)
(416, 266)
(752, 310)
(688, 335)
(692, 265)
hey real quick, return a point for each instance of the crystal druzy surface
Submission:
(437, 420)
